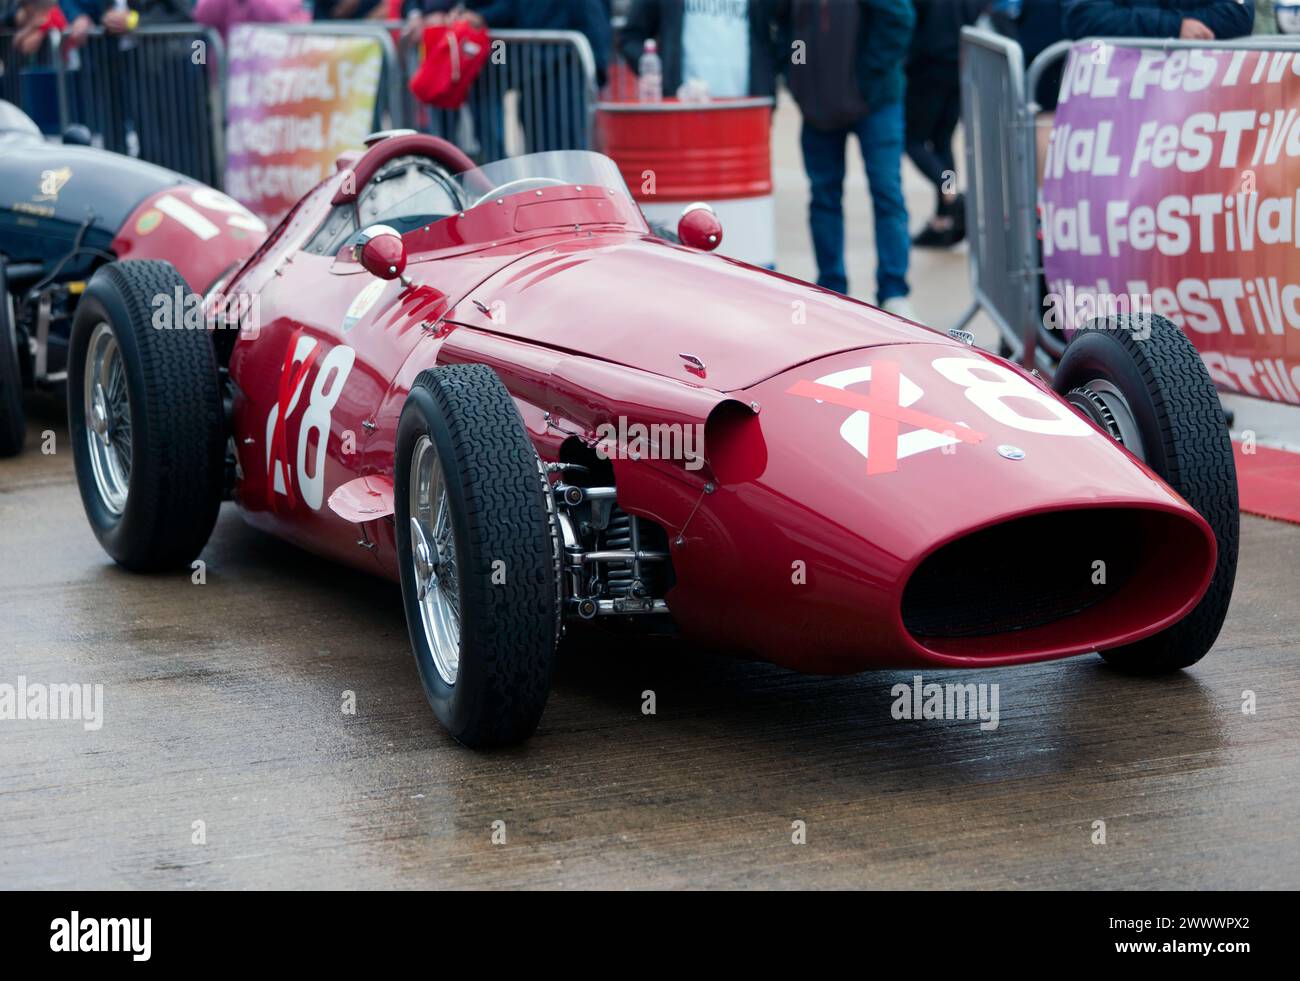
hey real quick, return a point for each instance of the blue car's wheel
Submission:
(13, 421)
(146, 420)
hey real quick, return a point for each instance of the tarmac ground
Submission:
(225, 758)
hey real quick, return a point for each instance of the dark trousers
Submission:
(880, 135)
(933, 112)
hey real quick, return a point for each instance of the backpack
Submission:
(825, 84)
(454, 54)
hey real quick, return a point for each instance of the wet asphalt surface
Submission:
(223, 704)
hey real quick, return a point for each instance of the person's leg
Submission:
(929, 144)
(952, 203)
(881, 137)
(947, 116)
(923, 110)
(945, 125)
(823, 159)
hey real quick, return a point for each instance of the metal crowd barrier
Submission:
(1000, 116)
(159, 93)
(536, 92)
(31, 81)
(1001, 193)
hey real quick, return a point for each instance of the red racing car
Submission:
(497, 387)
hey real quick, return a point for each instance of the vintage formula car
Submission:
(65, 210)
(495, 386)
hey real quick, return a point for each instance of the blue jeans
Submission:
(880, 134)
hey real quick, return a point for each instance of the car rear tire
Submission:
(479, 555)
(1140, 378)
(13, 420)
(151, 492)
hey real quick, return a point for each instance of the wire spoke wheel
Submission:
(433, 557)
(13, 419)
(1103, 402)
(145, 420)
(107, 407)
(478, 555)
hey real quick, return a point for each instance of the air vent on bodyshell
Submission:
(1054, 577)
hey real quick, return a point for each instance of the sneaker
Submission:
(930, 237)
(959, 219)
(946, 228)
(900, 306)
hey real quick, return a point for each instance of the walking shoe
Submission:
(946, 228)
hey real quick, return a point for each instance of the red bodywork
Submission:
(202, 232)
(790, 544)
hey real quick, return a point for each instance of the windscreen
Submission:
(419, 192)
(536, 170)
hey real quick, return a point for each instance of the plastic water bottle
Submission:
(650, 74)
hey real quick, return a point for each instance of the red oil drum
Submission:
(674, 153)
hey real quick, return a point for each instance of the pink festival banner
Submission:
(1172, 186)
(294, 102)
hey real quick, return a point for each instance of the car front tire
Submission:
(1139, 377)
(479, 554)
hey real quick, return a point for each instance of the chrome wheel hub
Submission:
(433, 559)
(1105, 405)
(107, 407)
(97, 417)
(425, 564)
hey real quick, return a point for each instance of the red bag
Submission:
(453, 56)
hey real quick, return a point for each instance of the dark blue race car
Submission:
(67, 208)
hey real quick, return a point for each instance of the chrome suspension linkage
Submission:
(603, 555)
